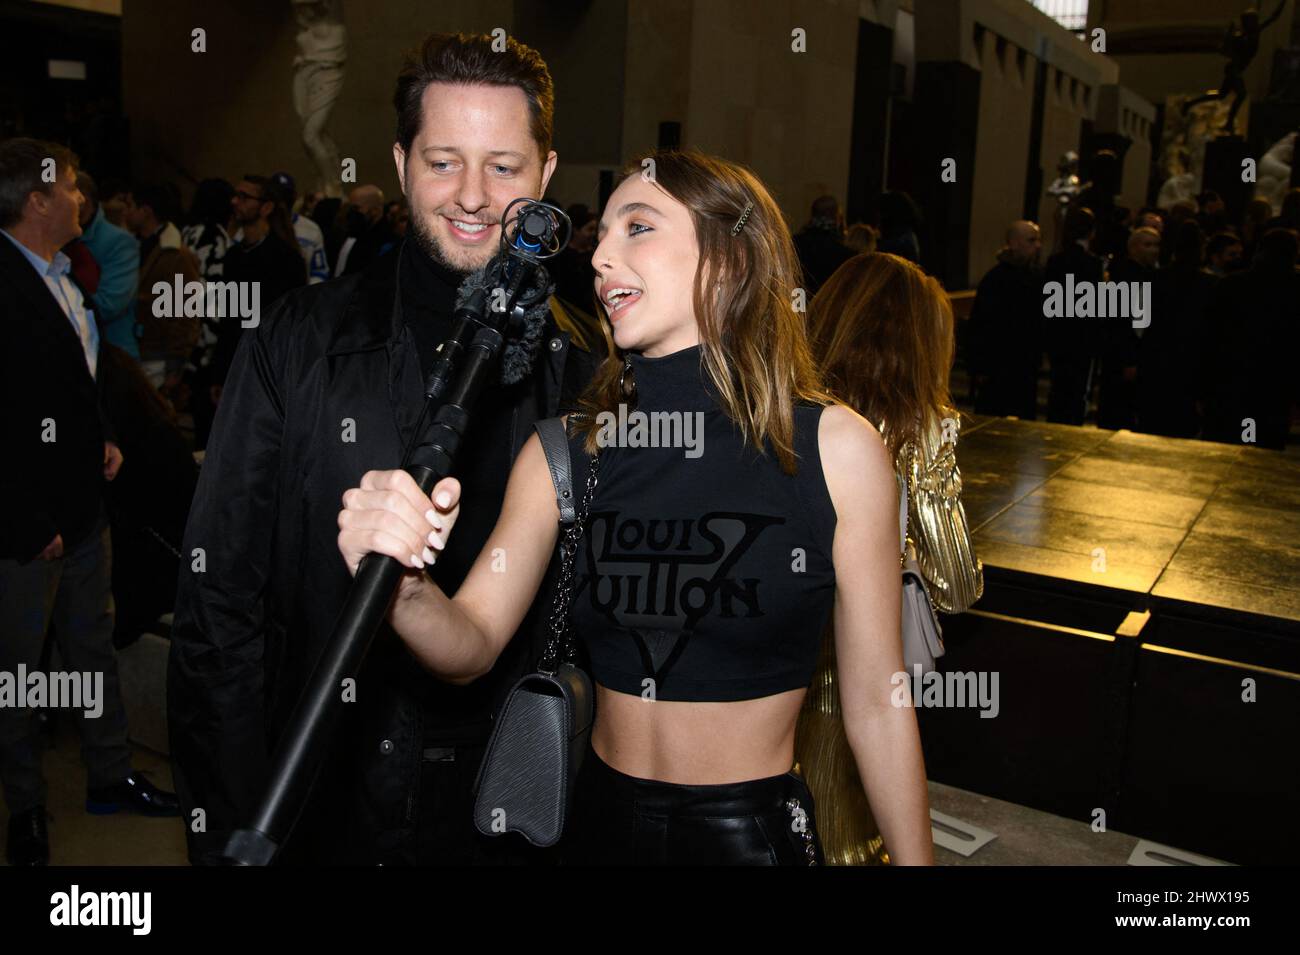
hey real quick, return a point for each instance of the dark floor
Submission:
(80, 839)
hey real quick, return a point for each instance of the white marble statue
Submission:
(317, 82)
(1274, 177)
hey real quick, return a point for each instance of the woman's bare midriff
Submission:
(696, 744)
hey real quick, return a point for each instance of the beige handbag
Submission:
(922, 635)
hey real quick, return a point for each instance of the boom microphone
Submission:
(521, 346)
(512, 285)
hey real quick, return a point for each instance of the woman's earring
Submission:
(622, 379)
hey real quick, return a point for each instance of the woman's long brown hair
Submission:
(882, 332)
(754, 344)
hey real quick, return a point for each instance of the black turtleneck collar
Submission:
(428, 291)
(676, 382)
(423, 272)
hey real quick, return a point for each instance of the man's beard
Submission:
(519, 353)
(419, 227)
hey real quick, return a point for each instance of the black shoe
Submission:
(136, 794)
(29, 840)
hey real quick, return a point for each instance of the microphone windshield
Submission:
(520, 350)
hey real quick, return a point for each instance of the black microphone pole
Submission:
(464, 365)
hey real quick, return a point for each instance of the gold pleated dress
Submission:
(940, 536)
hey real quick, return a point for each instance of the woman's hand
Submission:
(389, 514)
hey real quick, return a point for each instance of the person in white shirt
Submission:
(311, 241)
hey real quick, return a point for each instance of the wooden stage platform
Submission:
(1142, 611)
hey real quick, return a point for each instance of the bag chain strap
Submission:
(907, 483)
(561, 641)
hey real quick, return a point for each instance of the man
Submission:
(311, 241)
(821, 245)
(263, 256)
(118, 255)
(54, 540)
(369, 234)
(398, 216)
(1006, 324)
(1223, 253)
(1143, 251)
(1151, 219)
(1170, 349)
(1120, 341)
(165, 341)
(1100, 194)
(326, 388)
(1072, 342)
(571, 269)
(1184, 210)
(1254, 331)
(1213, 215)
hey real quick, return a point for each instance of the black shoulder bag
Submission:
(526, 781)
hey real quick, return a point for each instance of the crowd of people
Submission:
(256, 230)
(1202, 348)
(135, 236)
(1205, 359)
(102, 249)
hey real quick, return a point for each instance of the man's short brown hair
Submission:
(22, 162)
(467, 59)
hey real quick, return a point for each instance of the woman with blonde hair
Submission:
(709, 566)
(882, 334)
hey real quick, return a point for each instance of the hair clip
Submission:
(744, 217)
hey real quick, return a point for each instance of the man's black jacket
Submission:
(1005, 324)
(820, 253)
(1067, 338)
(54, 426)
(327, 387)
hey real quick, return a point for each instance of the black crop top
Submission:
(705, 572)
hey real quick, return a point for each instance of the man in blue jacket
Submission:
(118, 255)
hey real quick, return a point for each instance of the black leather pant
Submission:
(623, 820)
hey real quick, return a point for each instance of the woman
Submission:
(899, 221)
(882, 333)
(708, 571)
